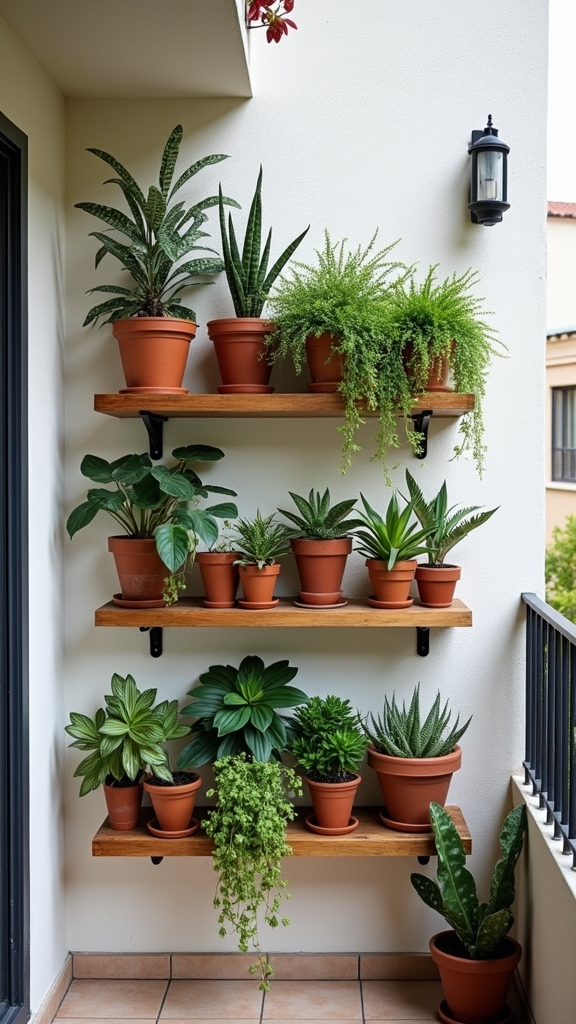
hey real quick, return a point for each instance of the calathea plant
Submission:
(159, 234)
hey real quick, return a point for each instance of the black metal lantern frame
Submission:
(488, 176)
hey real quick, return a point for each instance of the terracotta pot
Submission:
(123, 803)
(391, 586)
(436, 586)
(241, 352)
(321, 565)
(475, 990)
(140, 570)
(333, 802)
(154, 350)
(324, 364)
(410, 784)
(174, 805)
(439, 371)
(219, 577)
(258, 584)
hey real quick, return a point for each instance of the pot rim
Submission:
(408, 562)
(175, 323)
(446, 567)
(256, 322)
(320, 339)
(498, 965)
(118, 789)
(333, 786)
(180, 788)
(334, 542)
(222, 556)
(266, 570)
(131, 540)
(424, 762)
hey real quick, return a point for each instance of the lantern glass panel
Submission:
(490, 174)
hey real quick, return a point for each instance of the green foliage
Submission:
(401, 734)
(317, 521)
(445, 318)
(126, 738)
(561, 569)
(392, 539)
(328, 739)
(248, 828)
(479, 926)
(261, 540)
(160, 233)
(157, 502)
(235, 710)
(247, 275)
(446, 526)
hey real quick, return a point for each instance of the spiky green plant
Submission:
(401, 733)
(391, 539)
(446, 526)
(479, 926)
(248, 276)
(328, 739)
(160, 233)
(317, 520)
(261, 540)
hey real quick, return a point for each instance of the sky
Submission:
(562, 102)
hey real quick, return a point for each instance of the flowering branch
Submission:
(271, 17)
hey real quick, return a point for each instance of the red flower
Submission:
(288, 6)
(255, 9)
(277, 26)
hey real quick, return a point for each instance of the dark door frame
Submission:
(14, 781)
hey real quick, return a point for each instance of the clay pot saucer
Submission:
(258, 605)
(390, 604)
(350, 827)
(152, 827)
(445, 1015)
(244, 389)
(401, 826)
(119, 600)
(154, 391)
(320, 607)
(219, 604)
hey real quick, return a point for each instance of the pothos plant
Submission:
(272, 17)
(248, 827)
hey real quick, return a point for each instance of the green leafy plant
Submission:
(446, 526)
(155, 502)
(125, 739)
(160, 233)
(248, 276)
(317, 520)
(479, 926)
(561, 569)
(235, 710)
(402, 733)
(392, 539)
(261, 540)
(445, 319)
(248, 828)
(328, 739)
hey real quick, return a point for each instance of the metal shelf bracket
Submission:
(155, 429)
(423, 641)
(158, 860)
(155, 639)
(421, 421)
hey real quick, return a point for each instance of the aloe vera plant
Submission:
(391, 539)
(318, 520)
(401, 732)
(446, 526)
(248, 276)
(261, 540)
(479, 926)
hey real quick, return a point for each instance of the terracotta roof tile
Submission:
(562, 210)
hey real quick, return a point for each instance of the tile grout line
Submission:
(361, 1000)
(165, 994)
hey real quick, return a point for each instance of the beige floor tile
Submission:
(397, 967)
(215, 1020)
(113, 999)
(313, 1000)
(401, 1000)
(229, 966)
(107, 1020)
(210, 1000)
(315, 966)
(121, 965)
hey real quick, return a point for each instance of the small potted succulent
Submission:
(477, 958)
(329, 744)
(238, 341)
(321, 543)
(414, 762)
(154, 505)
(219, 570)
(446, 527)
(152, 327)
(235, 711)
(390, 547)
(124, 740)
(260, 542)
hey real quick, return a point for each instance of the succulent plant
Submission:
(446, 526)
(401, 734)
(328, 741)
(261, 540)
(392, 539)
(317, 520)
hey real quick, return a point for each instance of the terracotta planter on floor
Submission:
(123, 803)
(174, 805)
(324, 364)
(241, 354)
(333, 802)
(391, 586)
(475, 990)
(219, 577)
(140, 570)
(154, 350)
(410, 784)
(321, 565)
(436, 586)
(258, 585)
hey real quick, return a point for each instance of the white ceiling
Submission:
(93, 48)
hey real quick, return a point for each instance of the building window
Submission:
(564, 434)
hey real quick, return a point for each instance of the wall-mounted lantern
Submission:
(488, 176)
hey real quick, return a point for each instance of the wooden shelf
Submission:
(191, 612)
(442, 403)
(370, 839)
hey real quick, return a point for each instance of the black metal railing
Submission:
(550, 760)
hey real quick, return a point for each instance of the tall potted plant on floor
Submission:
(152, 326)
(390, 547)
(239, 341)
(260, 542)
(477, 958)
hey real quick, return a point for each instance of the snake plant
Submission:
(248, 276)
(391, 539)
(479, 926)
(319, 521)
(446, 526)
(399, 732)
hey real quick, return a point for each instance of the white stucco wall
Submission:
(358, 121)
(32, 102)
